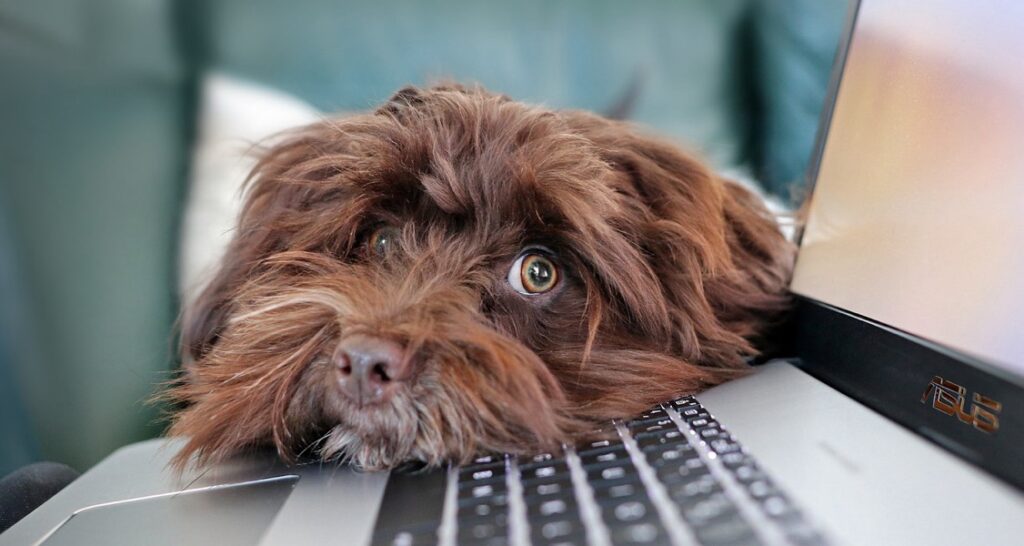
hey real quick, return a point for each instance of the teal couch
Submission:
(98, 104)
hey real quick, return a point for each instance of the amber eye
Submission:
(533, 274)
(382, 240)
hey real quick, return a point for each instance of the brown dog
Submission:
(458, 272)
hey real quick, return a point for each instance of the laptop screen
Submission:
(917, 216)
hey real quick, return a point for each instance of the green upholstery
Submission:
(96, 107)
(17, 443)
(794, 43)
(685, 55)
(92, 157)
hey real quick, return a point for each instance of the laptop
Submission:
(897, 419)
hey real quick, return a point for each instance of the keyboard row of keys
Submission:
(756, 484)
(624, 507)
(619, 493)
(482, 502)
(548, 494)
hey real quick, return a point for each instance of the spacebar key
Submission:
(411, 509)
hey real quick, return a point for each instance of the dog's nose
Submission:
(368, 368)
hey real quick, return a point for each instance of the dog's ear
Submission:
(203, 319)
(412, 97)
(721, 259)
(295, 199)
(406, 97)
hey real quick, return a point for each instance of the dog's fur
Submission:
(670, 277)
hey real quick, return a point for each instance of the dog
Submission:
(457, 272)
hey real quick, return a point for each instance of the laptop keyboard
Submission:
(674, 475)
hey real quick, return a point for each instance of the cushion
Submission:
(236, 118)
(684, 57)
(92, 157)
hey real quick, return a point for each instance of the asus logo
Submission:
(950, 398)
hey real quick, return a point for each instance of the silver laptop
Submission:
(899, 418)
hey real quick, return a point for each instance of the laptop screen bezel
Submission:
(894, 372)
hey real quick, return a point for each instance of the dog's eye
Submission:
(382, 240)
(533, 274)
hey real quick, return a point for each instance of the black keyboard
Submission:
(673, 475)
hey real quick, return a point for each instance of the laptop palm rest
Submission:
(242, 513)
(866, 479)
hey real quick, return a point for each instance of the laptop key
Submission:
(488, 532)
(659, 425)
(694, 488)
(690, 411)
(481, 509)
(494, 484)
(644, 532)
(604, 457)
(627, 510)
(414, 537)
(724, 444)
(705, 508)
(668, 437)
(657, 411)
(747, 473)
(481, 471)
(499, 540)
(638, 425)
(682, 471)
(552, 506)
(735, 459)
(731, 530)
(539, 459)
(479, 491)
(611, 446)
(559, 486)
(545, 471)
(497, 501)
(488, 459)
(557, 530)
(760, 489)
(614, 493)
(684, 402)
(598, 443)
(412, 508)
(470, 520)
(659, 432)
(611, 473)
(690, 417)
(710, 433)
(671, 455)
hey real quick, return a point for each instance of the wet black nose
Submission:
(368, 368)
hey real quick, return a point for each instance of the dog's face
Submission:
(457, 273)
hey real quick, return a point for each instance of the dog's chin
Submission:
(344, 444)
(370, 437)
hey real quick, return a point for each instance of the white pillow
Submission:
(234, 115)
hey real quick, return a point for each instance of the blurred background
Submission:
(104, 104)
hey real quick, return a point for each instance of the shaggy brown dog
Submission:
(458, 272)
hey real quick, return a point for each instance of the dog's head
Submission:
(458, 272)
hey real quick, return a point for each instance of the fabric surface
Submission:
(92, 159)
(684, 55)
(18, 444)
(25, 489)
(793, 46)
(236, 119)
